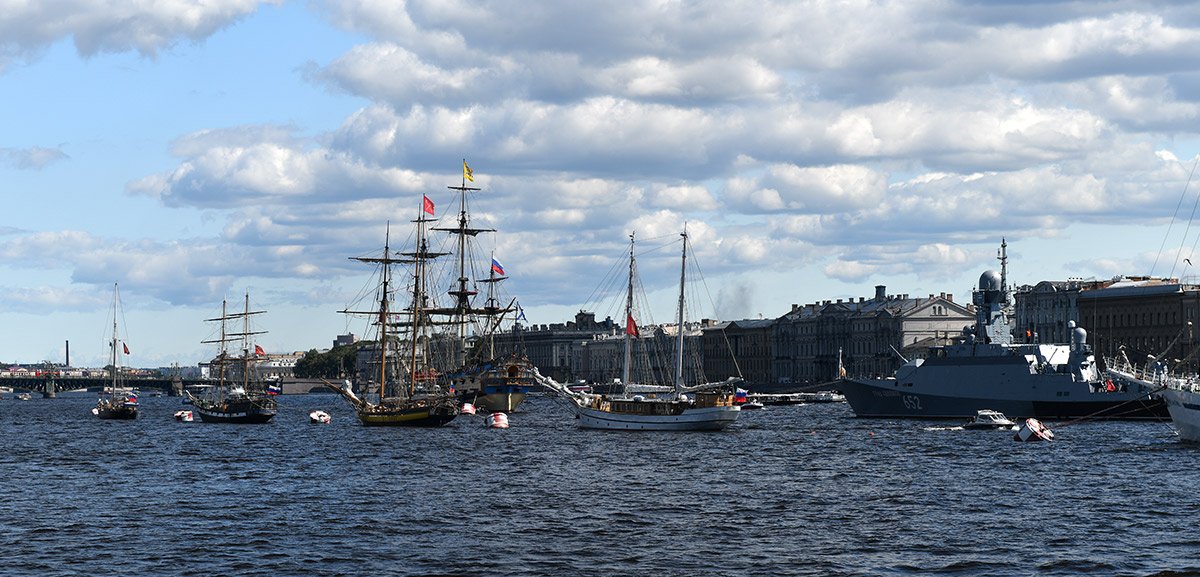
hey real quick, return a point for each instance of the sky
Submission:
(194, 152)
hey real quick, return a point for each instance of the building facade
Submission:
(1144, 320)
(652, 356)
(554, 348)
(816, 343)
(740, 348)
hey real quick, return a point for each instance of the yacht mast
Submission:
(115, 365)
(628, 320)
(679, 319)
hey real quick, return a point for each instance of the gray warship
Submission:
(989, 371)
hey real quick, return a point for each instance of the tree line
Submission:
(336, 363)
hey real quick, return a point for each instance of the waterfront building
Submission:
(817, 342)
(1144, 318)
(601, 359)
(743, 347)
(1043, 312)
(1139, 316)
(269, 366)
(554, 348)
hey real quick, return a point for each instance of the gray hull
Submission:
(1039, 396)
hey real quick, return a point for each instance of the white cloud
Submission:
(33, 158)
(113, 25)
(781, 137)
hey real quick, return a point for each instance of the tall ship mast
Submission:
(237, 396)
(493, 383)
(399, 387)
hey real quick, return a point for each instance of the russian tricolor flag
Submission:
(497, 267)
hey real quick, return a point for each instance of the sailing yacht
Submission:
(116, 401)
(402, 388)
(703, 407)
(489, 381)
(236, 397)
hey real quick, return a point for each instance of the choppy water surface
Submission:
(801, 490)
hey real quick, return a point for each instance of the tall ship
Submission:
(401, 384)
(116, 400)
(989, 371)
(473, 368)
(237, 396)
(650, 407)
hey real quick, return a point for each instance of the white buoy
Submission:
(319, 417)
(468, 409)
(497, 420)
(1033, 430)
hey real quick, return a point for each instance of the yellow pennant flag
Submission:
(467, 174)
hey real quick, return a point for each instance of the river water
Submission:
(790, 490)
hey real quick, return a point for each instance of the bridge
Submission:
(49, 384)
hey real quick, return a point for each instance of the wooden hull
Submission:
(497, 385)
(692, 419)
(407, 415)
(498, 402)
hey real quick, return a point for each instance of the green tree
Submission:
(332, 364)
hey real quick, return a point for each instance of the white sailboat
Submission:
(116, 401)
(704, 407)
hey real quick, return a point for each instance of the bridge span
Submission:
(51, 385)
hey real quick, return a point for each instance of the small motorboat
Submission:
(752, 405)
(496, 420)
(24, 397)
(989, 419)
(1033, 430)
(467, 409)
(781, 399)
(184, 416)
(319, 417)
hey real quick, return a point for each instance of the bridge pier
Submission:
(50, 391)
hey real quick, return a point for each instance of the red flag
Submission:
(259, 350)
(631, 326)
(126, 347)
(428, 205)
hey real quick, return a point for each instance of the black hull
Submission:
(118, 414)
(240, 411)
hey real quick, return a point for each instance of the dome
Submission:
(989, 281)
